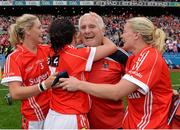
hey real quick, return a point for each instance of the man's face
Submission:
(90, 31)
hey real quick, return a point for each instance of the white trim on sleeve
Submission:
(143, 88)
(10, 79)
(90, 59)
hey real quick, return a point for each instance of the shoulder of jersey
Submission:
(120, 56)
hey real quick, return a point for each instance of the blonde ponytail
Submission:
(13, 36)
(159, 39)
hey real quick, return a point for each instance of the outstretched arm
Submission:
(108, 91)
(104, 50)
(17, 91)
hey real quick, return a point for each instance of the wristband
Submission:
(43, 86)
(41, 89)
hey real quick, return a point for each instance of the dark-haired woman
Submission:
(68, 110)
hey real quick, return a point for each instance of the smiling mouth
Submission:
(89, 38)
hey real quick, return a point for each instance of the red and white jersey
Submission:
(29, 68)
(75, 62)
(104, 113)
(148, 107)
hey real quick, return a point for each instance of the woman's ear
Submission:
(137, 35)
(27, 32)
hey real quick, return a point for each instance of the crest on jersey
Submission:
(105, 64)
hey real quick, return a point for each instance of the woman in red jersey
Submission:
(68, 110)
(146, 83)
(26, 71)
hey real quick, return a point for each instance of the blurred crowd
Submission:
(104, 0)
(154, 0)
(114, 26)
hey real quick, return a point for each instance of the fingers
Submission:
(61, 83)
(67, 84)
(63, 79)
(68, 88)
(66, 79)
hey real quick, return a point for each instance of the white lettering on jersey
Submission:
(135, 73)
(134, 95)
(140, 60)
(38, 79)
(41, 64)
(28, 68)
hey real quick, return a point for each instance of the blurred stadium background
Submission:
(164, 13)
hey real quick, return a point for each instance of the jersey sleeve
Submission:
(85, 57)
(11, 71)
(144, 71)
(121, 56)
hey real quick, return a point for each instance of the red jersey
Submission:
(148, 107)
(75, 62)
(104, 113)
(29, 68)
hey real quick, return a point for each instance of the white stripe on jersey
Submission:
(34, 105)
(147, 111)
(125, 115)
(150, 110)
(7, 65)
(150, 74)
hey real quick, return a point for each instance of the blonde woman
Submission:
(146, 83)
(26, 71)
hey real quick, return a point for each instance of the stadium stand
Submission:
(172, 59)
(166, 18)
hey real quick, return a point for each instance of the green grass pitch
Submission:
(10, 117)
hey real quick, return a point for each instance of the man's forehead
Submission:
(89, 17)
(89, 20)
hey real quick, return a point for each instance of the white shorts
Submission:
(32, 124)
(55, 120)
